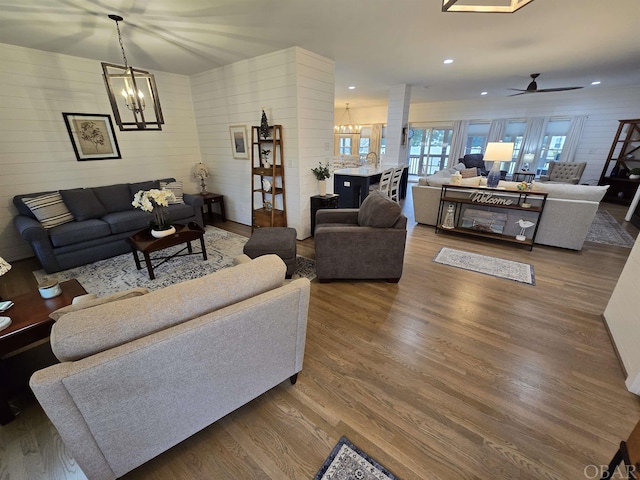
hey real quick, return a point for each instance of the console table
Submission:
(491, 212)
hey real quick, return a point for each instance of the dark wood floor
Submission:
(447, 374)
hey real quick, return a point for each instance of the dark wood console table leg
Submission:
(6, 414)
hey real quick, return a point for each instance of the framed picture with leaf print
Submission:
(92, 136)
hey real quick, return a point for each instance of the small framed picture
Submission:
(92, 136)
(239, 141)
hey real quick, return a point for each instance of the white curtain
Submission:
(375, 140)
(573, 138)
(533, 134)
(497, 129)
(458, 141)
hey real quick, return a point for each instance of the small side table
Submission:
(209, 200)
(523, 177)
(322, 201)
(30, 323)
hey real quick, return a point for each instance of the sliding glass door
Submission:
(429, 149)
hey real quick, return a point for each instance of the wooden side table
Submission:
(322, 201)
(30, 323)
(211, 198)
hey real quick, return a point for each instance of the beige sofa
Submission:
(142, 374)
(565, 221)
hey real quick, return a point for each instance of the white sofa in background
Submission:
(140, 375)
(565, 221)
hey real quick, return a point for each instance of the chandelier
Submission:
(128, 89)
(348, 128)
(495, 6)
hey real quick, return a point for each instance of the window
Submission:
(515, 133)
(552, 144)
(477, 135)
(429, 149)
(365, 141)
(344, 146)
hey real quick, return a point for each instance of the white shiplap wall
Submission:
(604, 106)
(295, 89)
(35, 149)
(623, 319)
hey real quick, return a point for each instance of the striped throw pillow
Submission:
(49, 209)
(176, 188)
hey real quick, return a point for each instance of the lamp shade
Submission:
(528, 157)
(200, 171)
(499, 152)
(4, 266)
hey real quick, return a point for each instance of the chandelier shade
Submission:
(130, 90)
(348, 128)
(483, 6)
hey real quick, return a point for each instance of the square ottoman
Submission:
(280, 241)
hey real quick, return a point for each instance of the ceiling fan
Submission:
(533, 87)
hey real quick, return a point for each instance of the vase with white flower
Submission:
(156, 201)
(321, 172)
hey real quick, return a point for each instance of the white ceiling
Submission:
(376, 44)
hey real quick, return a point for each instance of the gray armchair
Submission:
(564, 172)
(365, 243)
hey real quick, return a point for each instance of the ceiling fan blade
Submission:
(517, 89)
(523, 92)
(561, 89)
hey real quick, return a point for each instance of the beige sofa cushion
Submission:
(85, 332)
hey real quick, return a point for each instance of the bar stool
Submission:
(629, 455)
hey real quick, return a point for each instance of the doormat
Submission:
(347, 462)
(496, 267)
(116, 274)
(605, 229)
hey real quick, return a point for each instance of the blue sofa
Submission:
(104, 218)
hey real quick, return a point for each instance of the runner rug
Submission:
(119, 273)
(347, 462)
(605, 229)
(496, 267)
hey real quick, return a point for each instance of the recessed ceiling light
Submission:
(352, 87)
(597, 82)
(447, 61)
(484, 93)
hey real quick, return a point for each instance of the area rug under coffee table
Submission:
(347, 462)
(119, 273)
(496, 267)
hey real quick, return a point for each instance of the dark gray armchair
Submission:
(365, 243)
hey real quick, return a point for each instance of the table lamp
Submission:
(497, 152)
(528, 160)
(201, 171)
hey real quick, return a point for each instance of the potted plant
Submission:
(322, 173)
(634, 174)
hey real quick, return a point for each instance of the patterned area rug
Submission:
(496, 267)
(348, 462)
(605, 229)
(119, 273)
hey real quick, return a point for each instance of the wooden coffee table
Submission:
(30, 323)
(147, 244)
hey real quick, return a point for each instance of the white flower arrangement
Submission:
(148, 200)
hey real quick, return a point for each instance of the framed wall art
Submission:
(92, 136)
(239, 144)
